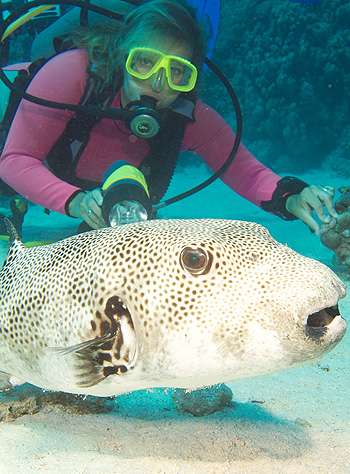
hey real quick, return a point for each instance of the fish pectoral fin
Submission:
(111, 352)
(98, 358)
(9, 381)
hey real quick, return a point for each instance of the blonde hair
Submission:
(108, 47)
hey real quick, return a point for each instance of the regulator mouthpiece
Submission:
(145, 122)
(125, 195)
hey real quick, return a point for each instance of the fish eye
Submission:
(196, 261)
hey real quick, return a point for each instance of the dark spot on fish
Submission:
(104, 327)
(113, 307)
(110, 370)
(107, 346)
(106, 356)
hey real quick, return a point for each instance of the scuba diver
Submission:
(151, 63)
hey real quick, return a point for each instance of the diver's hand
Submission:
(313, 198)
(88, 207)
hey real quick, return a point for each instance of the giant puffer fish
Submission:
(162, 303)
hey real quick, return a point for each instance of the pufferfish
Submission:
(162, 303)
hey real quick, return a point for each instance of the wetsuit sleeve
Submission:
(35, 129)
(212, 139)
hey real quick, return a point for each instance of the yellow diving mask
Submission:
(144, 62)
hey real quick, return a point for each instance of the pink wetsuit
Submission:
(35, 129)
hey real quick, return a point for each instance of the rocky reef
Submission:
(336, 234)
(202, 402)
(29, 400)
(289, 64)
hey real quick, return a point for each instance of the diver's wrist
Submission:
(73, 203)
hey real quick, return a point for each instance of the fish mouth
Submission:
(326, 320)
(323, 318)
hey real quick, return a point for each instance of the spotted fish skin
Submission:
(177, 303)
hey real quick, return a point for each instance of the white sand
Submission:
(301, 423)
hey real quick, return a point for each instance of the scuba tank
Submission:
(43, 44)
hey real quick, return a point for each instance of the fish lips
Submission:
(326, 323)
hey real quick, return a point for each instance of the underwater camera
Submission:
(125, 195)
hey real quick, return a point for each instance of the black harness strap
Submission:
(159, 165)
(64, 156)
(21, 81)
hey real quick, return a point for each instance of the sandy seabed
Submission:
(293, 421)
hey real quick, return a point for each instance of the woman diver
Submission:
(155, 56)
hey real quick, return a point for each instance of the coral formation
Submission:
(290, 66)
(28, 400)
(336, 234)
(203, 401)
